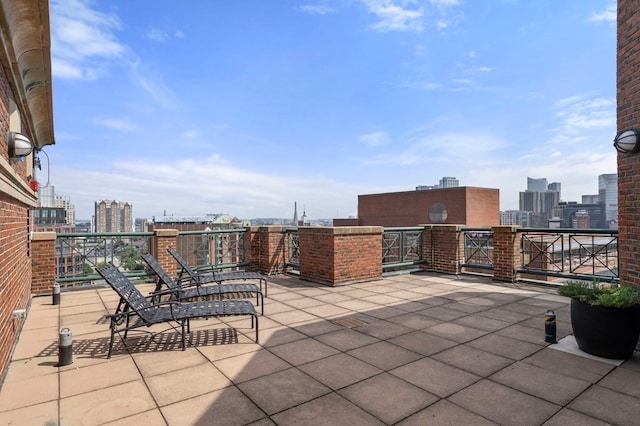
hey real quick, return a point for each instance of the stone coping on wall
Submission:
(166, 232)
(43, 236)
(344, 230)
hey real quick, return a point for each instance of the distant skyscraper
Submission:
(46, 196)
(64, 202)
(608, 193)
(294, 222)
(537, 185)
(590, 199)
(113, 216)
(555, 187)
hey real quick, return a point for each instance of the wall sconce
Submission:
(627, 141)
(19, 145)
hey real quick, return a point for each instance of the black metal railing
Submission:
(291, 249)
(217, 248)
(570, 253)
(478, 248)
(401, 248)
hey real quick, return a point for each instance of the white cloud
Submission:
(316, 9)
(116, 123)
(393, 17)
(374, 139)
(157, 35)
(608, 16)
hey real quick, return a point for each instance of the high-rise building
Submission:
(64, 202)
(608, 194)
(540, 199)
(555, 187)
(47, 196)
(113, 216)
(537, 185)
(515, 217)
(590, 199)
(449, 182)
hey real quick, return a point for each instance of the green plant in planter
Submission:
(606, 295)
(605, 318)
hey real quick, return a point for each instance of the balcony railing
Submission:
(401, 248)
(291, 249)
(570, 253)
(478, 248)
(219, 248)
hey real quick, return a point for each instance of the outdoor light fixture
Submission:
(19, 145)
(627, 141)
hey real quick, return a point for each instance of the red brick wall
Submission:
(15, 272)
(442, 248)
(271, 249)
(43, 260)
(506, 253)
(340, 255)
(465, 206)
(160, 242)
(628, 116)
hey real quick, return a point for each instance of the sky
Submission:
(244, 107)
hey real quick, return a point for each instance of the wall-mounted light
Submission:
(19, 145)
(627, 141)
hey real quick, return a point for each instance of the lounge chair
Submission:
(135, 310)
(189, 290)
(217, 276)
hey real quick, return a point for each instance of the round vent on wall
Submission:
(438, 213)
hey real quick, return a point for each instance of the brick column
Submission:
(340, 255)
(442, 248)
(506, 253)
(163, 239)
(43, 262)
(252, 248)
(271, 249)
(628, 116)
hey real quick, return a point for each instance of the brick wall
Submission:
(340, 255)
(15, 272)
(43, 261)
(160, 242)
(506, 253)
(442, 248)
(628, 116)
(271, 249)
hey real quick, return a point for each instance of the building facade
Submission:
(461, 206)
(113, 216)
(608, 195)
(26, 107)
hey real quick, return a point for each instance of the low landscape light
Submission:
(627, 141)
(19, 145)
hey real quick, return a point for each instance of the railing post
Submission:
(340, 255)
(43, 262)
(506, 253)
(443, 248)
(161, 240)
(271, 249)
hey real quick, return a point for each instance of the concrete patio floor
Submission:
(408, 349)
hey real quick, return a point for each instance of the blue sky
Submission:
(245, 106)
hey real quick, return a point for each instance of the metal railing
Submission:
(78, 254)
(401, 248)
(570, 253)
(217, 249)
(291, 249)
(478, 248)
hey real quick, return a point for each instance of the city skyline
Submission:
(245, 107)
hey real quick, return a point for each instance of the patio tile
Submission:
(415, 321)
(505, 346)
(28, 368)
(39, 414)
(504, 405)
(346, 339)
(423, 343)
(524, 333)
(147, 418)
(35, 342)
(608, 405)
(482, 323)
(251, 365)
(505, 315)
(318, 327)
(529, 307)
(21, 393)
(473, 360)
(435, 377)
(442, 313)
(292, 317)
(567, 417)
(302, 303)
(623, 380)
(328, 311)
(339, 370)
(328, 410)
(398, 400)
(334, 297)
(384, 355)
(357, 305)
(539, 382)
(178, 385)
(280, 335)
(455, 332)
(382, 329)
(106, 405)
(386, 312)
(285, 389)
(303, 351)
(444, 413)
(86, 379)
(152, 363)
(227, 406)
(571, 365)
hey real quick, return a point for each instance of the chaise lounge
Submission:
(135, 310)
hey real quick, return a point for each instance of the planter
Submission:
(605, 332)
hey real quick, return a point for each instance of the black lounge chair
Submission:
(188, 290)
(135, 310)
(217, 276)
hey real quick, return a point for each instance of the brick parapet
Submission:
(161, 240)
(442, 248)
(340, 255)
(43, 262)
(506, 253)
(270, 250)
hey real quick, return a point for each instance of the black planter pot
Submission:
(605, 332)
